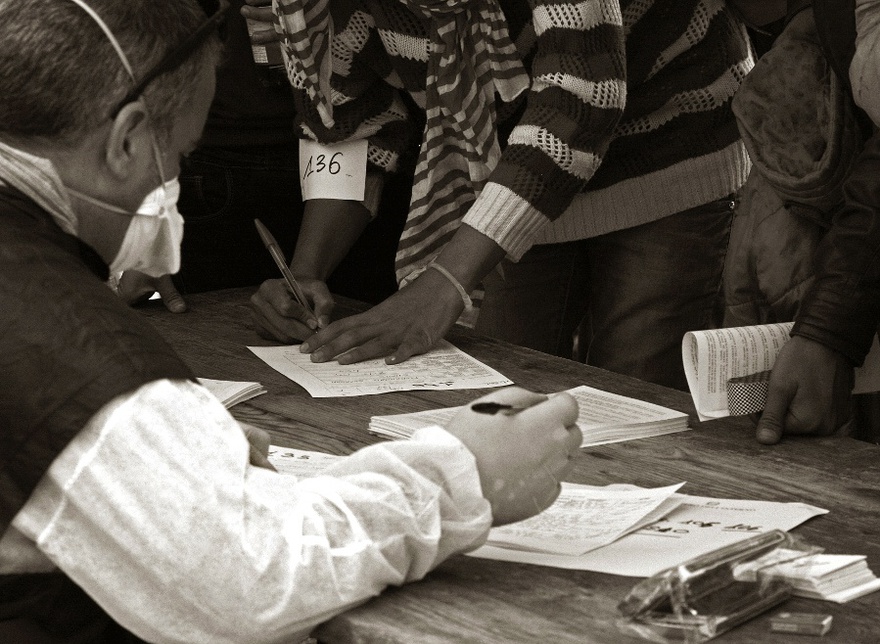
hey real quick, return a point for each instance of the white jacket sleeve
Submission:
(155, 511)
(864, 71)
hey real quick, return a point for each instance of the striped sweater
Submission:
(628, 117)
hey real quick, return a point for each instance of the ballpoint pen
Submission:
(497, 408)
(278, 256)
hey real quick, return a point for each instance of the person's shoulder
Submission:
(52, 296)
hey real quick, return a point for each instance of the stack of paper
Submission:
(231, 392)
(837, 578)
(604, 418)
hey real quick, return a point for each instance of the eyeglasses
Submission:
(176, 56)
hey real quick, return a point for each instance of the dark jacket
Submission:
(68, 346)
(842, 308)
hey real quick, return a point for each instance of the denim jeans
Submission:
(224, 189)
(621, 301)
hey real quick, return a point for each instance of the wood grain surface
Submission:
(475, 600)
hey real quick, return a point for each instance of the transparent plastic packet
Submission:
(712, 593)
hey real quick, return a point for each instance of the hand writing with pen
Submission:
(524, 445)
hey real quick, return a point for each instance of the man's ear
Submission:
(130, 141)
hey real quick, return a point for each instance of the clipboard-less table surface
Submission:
(484, 601)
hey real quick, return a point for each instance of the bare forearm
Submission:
(470, 256)
(330, 227)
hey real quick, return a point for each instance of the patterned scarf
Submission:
(472, 58)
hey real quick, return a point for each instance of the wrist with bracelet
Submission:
(465, 298)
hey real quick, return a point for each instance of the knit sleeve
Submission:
(576, 99)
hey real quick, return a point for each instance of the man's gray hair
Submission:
(60, 76)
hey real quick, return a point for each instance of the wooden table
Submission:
(476, 600)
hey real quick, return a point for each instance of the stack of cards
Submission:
(837, 578)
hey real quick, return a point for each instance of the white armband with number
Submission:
(334, 171)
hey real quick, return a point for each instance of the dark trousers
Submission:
(628, 296)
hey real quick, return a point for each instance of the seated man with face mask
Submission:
(130, 505)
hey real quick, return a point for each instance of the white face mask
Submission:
(152, 240)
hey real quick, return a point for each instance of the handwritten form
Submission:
(444, 367)
(696, 526)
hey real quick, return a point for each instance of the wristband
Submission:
(468, 304)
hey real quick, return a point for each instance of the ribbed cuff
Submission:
(506, 218)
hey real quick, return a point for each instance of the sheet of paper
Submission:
(444, 367)
(603, 418)
(697, 526)
(583, 518)
(298, 462)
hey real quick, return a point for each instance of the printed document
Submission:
(694, 527)
(444, 367)
(583, 518)
(603, 418)
(712, 357)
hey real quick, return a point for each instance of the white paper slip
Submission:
(583, 518)
(299, 462)
(697, 526)
(444, 367)
(603, 417)
(232, 392)
(333, 171)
